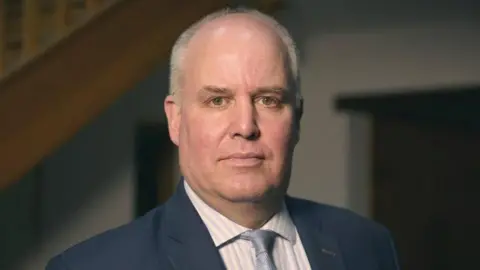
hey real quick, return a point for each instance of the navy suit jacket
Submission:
(173, 237)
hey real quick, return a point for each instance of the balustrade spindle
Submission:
(92, 5)
(61, 14)
(30, 33)
(3, 36)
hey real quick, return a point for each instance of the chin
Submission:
(244, 198)
(246, 189)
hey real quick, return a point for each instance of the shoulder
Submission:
(126, 247)
(359, 237)
(334, 218)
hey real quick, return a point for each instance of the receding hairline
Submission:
(234, 20)
(214, 20)
(233, 25)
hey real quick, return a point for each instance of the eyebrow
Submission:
(260, 90)
(215, 90)
(270, 90)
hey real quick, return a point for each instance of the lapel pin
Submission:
(331, 253)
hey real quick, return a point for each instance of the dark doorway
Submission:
(426, 175)
(426, 190)
(155, 165)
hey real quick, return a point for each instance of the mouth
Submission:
(244, 159)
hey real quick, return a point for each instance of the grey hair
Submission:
(181, 45)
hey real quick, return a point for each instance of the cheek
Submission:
(202, 134)
(278, 135)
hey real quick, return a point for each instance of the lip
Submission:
(247, 155)
(249, 159)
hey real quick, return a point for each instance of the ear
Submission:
(172, 111)
(298, 118)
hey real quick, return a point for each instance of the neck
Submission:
(249, 214)
(252, 215)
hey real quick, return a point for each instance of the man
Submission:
(234, 112)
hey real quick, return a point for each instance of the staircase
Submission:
(62, 62)
(30, 27)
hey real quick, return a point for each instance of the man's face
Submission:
(235, 124)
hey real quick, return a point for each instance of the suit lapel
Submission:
(322, 250)
(188, 243)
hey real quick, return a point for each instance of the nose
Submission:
(244, 121)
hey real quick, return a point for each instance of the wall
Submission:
(88, 184)
(85, 187)
(349, 47)
(18, 212)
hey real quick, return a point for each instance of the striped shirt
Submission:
(238, 254)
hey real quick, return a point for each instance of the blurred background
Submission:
(390, 129)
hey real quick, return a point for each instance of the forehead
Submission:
(236, 52)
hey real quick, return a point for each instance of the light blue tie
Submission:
(262, 241)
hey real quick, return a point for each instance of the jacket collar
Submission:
(188, 243)
(322, 250)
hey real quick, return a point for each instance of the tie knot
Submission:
(262, 240)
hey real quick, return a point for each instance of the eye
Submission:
(218, 101)
(269, 101)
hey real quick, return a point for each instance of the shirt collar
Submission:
(224, 230)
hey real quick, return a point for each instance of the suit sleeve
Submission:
(57, 263)
(387, 252)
